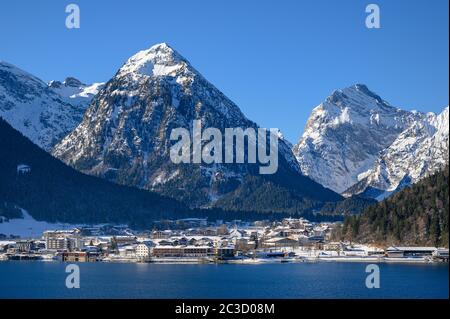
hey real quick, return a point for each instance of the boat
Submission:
(351, 258)
(406, 259)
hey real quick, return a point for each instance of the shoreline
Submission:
(251, 261)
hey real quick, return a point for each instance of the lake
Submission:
(22, 279)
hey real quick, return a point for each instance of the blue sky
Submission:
(275, 59)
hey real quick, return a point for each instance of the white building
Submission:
(128, 251)
(396, 251)
(144, 250)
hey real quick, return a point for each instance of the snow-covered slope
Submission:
(125, 134)
(43, 113)
(418, 151)
(345, 133)
(75, 92)
(355, 142)
(28, 227)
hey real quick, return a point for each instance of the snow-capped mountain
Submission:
(344, 135)
(125, 134)
(355, 142)
(43, 113)
(75, 92)
(417, 152)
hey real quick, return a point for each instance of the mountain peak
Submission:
(158, 60)
(73, 82)
(162, 50)
(54, 84)
(362, 88)
(334, 148)
(357, 95)
(160, 46)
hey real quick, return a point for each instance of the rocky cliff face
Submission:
(419, 151)
(356, 141)
(345, 134)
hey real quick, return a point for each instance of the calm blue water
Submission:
(302, 280)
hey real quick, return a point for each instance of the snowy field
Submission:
(28, 227)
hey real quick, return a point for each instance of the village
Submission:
(196, 240)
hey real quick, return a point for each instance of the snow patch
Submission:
(28, 227)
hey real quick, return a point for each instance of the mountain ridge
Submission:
(37, 109)
(124, 135)
(354, 143)
(53, 192)
(350, 136)
(419, 151)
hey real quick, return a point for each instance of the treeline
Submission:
(350, 206)
(229, 215)
(262, 196)
(417, 215)
(258, 194)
